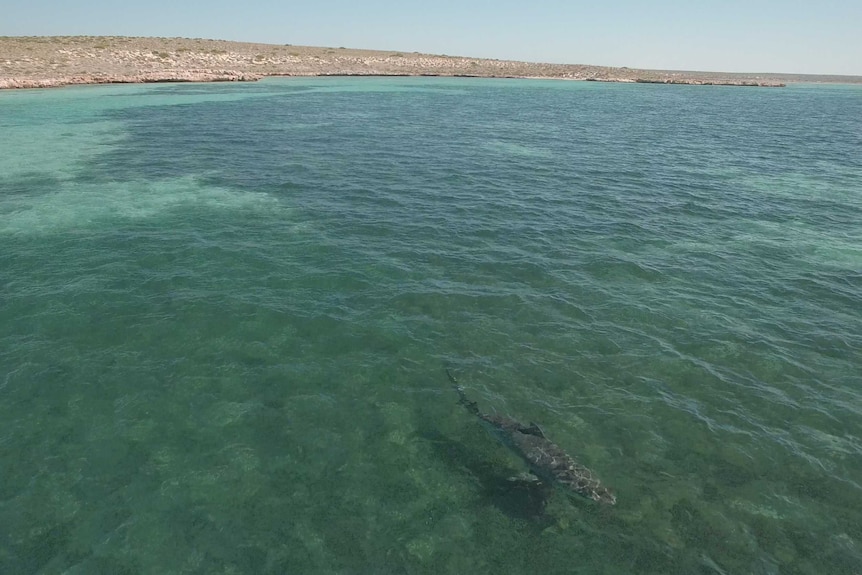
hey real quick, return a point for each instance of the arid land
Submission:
(42, 61)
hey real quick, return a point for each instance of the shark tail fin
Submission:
(471, 406)
(452, 378)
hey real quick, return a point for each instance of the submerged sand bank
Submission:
(35, 62)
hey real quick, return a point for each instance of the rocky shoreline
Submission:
(42, 62)
(146, 78)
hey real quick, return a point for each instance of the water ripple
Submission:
(225, 312)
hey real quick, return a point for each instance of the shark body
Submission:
(546, 460)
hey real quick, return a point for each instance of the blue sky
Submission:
(795, 36)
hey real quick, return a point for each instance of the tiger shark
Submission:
(545, 459)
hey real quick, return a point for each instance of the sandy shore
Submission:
(37, 62)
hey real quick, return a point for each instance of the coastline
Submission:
(51, 61)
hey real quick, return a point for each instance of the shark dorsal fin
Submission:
(533, 429)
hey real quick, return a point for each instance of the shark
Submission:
(546, 460)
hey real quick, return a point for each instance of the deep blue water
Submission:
(226, 310)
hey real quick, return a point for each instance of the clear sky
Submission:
(794, 36)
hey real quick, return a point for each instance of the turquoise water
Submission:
(226, 312)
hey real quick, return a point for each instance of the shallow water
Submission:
(226, 312)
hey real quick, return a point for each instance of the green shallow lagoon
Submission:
(226, 309)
